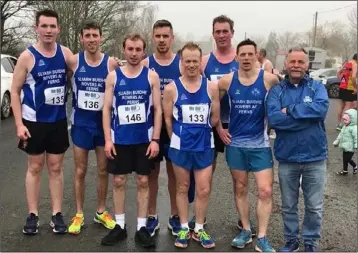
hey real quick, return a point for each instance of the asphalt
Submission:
(339, 230)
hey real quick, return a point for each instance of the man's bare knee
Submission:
(241, 188)
(183, 187)
(203, 191)
(265, 192)
(119, 181)
(35, 167)
(142, 181)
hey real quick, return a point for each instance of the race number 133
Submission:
(131, 114)
(195, 114)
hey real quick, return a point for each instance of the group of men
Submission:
(185, 108)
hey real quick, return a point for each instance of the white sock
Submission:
(153, 215)
(120, 218)
(198, 227)
(141, 222)
(185, 225)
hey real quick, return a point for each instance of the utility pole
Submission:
(315, 29)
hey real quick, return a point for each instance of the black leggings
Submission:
(347, 158)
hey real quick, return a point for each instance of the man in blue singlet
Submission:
(248, 147)
(166, 64)
(132, 118)
(90, 68)
(191, 108)
(40, 117)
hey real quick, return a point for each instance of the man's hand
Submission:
(224, 135)
(109, 149)
(119, 62)
(284, 110)
(23, 133)
(153, 149)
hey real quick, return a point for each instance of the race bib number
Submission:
(131, 114)
(195, 114)
(216, 78)
(55, 96)
(91, 101)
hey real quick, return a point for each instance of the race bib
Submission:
(195, 114)
(55, 96)
(131, 114)
(91, 101)
(216, 78)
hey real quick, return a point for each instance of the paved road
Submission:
(339, 227)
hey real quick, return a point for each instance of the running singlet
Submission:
(191, 124)
(214, 70)
(346, 76)
(132, 109)
(166, 73)
(88, 85)
(44, 89)
(248, 126)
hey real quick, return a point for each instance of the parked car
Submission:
(332, 86)
(323, 73)
(8, 63)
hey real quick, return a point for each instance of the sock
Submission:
(99, 213)
(185, 225)
(120, 218)
(198, 227)
(153, 215)
(141, 222)
(79, 215)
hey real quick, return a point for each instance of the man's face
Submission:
(91, 40)
(47, 29)
(163, 39)
(246, 57)
(222, 35)
(191, 62)
(260, 56)
(296, 64)
(134, 52)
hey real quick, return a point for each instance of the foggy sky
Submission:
(256, 18)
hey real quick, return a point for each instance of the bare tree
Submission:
(288, 40)
(272, 46)
(259, 40)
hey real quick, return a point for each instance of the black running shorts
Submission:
(51, 138)
(130, 158)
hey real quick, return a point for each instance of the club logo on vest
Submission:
(255, 92)
(183, 97)
(237, 92)
(122, 82)
(41, 63)
(216, 70)
(307, 99)
(83, 69)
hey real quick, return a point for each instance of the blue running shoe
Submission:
(263, 245)
(204, 238)
(152, 225)
(243, 238)
(291, 246)
(310, 248)
(174, 224)
(183, 238)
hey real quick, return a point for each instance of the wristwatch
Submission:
(156, 140)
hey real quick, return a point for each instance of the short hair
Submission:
(297, 49)
(162, 23)
(246, 42)
(263, 52)
(91, 24)
(191, 46)
(134, 37)
(223, 19)
(355, 57)
(46, 13)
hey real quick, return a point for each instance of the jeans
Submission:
(313, 184)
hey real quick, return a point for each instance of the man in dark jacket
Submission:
(297, 108)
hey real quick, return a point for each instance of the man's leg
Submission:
(174, 220)
(102, 216)
(313, 184)
(33, 182)
(153, 221)
(289, 178)
(55, 169)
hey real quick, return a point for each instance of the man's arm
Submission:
(279, 120)
(317, 109)
(215, 103)
(270, 80)
(107, 106)
(168, 103)
(112, 64)
(18, 80)
(268, 66)
(154, 79)
(204, 62)
(354, 77)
